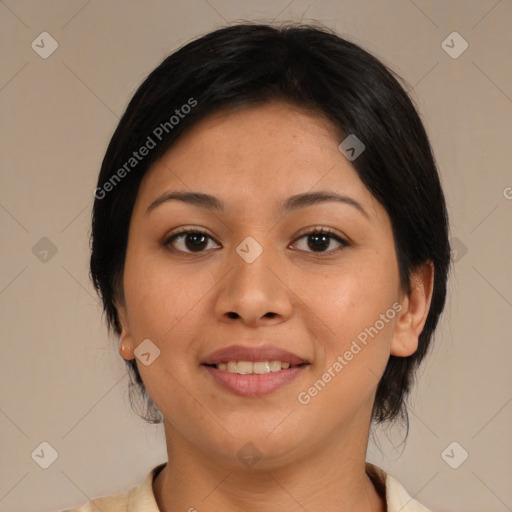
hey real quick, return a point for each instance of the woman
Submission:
(270, 242)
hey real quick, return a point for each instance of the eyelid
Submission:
(183, 229)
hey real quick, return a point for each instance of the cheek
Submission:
(161, 298)
(357, 305)
(353, 352)
(164, 305)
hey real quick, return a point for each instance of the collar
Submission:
(396, 497)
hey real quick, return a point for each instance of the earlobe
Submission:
(125, 352)
(125, 339)
(414, 312)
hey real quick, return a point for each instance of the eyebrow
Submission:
(293, 203)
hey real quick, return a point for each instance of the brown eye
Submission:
(319, 240)
(190, 241)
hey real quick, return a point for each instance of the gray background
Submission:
(61, 378)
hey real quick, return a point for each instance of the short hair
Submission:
(313, 68)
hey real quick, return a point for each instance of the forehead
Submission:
(263, 153)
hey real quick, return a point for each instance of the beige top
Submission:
(142, 499)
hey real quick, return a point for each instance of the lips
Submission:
(245, 353)
(248, 379)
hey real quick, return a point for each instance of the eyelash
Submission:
(316, 231)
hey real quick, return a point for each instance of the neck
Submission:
(330, 477)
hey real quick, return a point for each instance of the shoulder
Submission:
(397, 498)
(138, 498)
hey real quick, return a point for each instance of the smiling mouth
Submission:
(253, 370)
(253, 367)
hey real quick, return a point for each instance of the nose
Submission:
(254, 293)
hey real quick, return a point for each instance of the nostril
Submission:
(232, 315)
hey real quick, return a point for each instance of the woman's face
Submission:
(255, 277)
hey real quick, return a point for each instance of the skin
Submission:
(313, 456)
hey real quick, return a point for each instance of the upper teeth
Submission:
(258, 367)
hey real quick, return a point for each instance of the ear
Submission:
(414, 312)
(126, 346)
